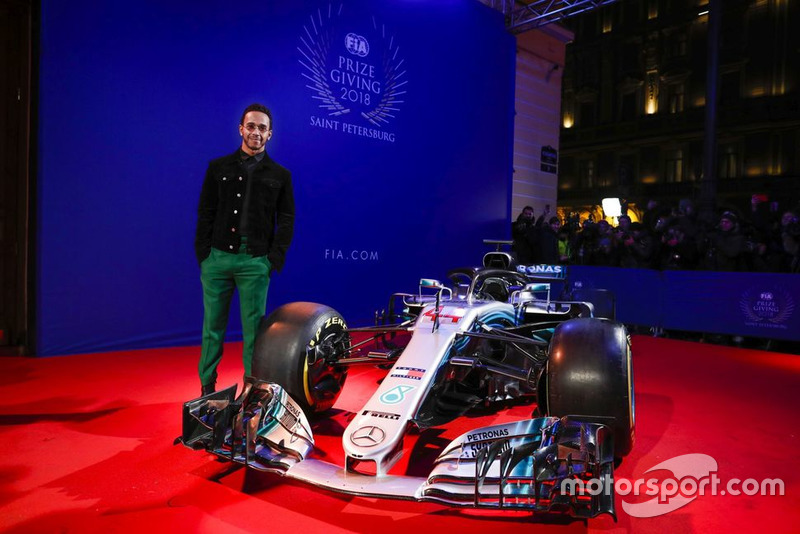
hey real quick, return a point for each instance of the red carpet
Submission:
(88, 448)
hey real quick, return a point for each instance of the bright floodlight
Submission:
(612, 207)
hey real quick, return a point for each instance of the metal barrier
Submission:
(761, 305)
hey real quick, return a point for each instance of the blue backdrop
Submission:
(395, 118)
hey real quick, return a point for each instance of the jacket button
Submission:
(235, 212)
(240, 178)
(238, 194)
(230, 247)
(224, 178)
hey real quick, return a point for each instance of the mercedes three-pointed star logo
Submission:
(367, 436)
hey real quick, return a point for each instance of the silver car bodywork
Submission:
(518, 465)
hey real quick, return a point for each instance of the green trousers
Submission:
(220, 274)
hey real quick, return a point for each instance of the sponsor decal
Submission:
(291, 408)
(766, 307)
(354, 70)
(289, 415)
(396, 395)
(471, 450)
(552, 271)
(288, 420)
(367, 436)
(454, 314)
(382, 415)
(481, 439)
(331, 322)
(411, 373)
(487, 434)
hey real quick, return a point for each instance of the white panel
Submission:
(540, 64)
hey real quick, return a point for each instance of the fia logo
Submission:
(366, 88)
(767, 307)
(356, 45)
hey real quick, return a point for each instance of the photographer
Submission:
(725, 247)
(677, 251)
(584, 243)
(548, 242)
(519, 234)
(636, 247)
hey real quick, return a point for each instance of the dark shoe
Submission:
(206, 389)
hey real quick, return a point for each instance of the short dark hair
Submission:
(257, 107)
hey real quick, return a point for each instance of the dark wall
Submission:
(137, 97)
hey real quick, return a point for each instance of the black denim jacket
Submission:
(270, 209)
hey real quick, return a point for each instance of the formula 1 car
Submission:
(492, 335)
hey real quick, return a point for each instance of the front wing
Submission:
(547, 464)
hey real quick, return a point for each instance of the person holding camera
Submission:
(726, 247)
(519, 235)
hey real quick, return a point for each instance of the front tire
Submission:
(589, 373)
(293, 348)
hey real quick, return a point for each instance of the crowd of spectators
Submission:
(763, 239)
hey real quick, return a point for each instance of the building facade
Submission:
(637, 79)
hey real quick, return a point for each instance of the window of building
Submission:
(782, 160)
(606, 169)
(628, 106)
(673, 171)
(589, 68)
(675, 96)
(587, 26)
(626, 170)
(631, 58)
(586, 116)
(567, 177)
(651, 92)
(650, 158)
(677, 45)
(652, 9)
(630, 13)
(586, 173)
(730, 87)
(607, 20)
(568, 110)
(728, 162)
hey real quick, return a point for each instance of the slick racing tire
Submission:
(589, 373)
(294, 348)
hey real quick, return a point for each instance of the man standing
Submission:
(244, 228)
(519, 234)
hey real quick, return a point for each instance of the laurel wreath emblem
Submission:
(315, 47)
(785, 308)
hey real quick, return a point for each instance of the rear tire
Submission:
(589, 373)
(292, 349)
